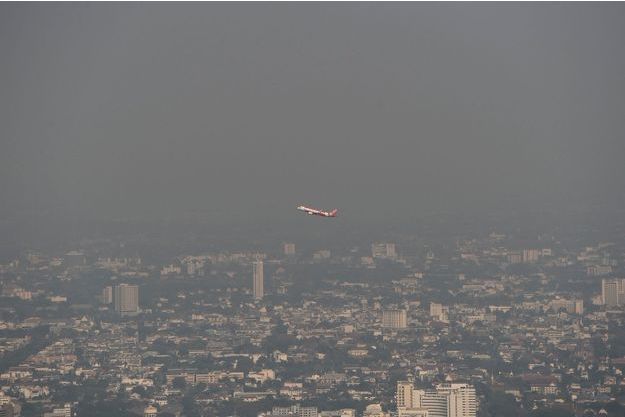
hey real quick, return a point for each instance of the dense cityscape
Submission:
(312, 209)
(477, 325)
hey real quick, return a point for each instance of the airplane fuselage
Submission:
(316, 212)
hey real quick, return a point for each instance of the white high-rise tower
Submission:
(394, 319)
(126, 298)
(257, 280)
(613, 292)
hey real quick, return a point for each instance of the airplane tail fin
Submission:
(334, 212)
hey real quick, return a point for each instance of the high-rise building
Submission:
(439, 312)
(383, 250)
(126, 299)
(446, 400)
(394, 319)
(515, 257)
(435, 403)
(613, 292)
(531, 255)
(258, 281)
(107, 295)
(404, 395)
(289, 249)
(579, 307)
(461, 400)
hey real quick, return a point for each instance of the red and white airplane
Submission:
(316, 212)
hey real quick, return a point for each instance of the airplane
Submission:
(316, 212)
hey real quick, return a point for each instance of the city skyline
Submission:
(460, 253)
(292, 332)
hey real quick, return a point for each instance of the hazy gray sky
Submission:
(123, 109)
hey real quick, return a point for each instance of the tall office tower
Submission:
(404, 395)
(461, 400)
(289, 249)
(257, 280)
(127, 299)
(435, 403)
(612, 292)
(394, 319)
(531, 255)
(439, 311)
(107, 295)
(515, 257)
(383, 250)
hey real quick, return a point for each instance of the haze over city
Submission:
(312, 209)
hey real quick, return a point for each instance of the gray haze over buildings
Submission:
(243, 111)
(153, 262)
